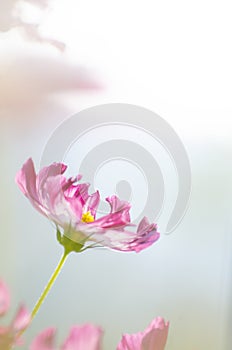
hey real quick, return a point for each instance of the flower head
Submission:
(69, 205)
(10, 335)
(153, 338)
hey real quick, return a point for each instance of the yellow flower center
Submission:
(87, 217)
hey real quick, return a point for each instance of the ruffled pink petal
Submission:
(119, 214)
(45, 340)
(153, 338)
(86, 337)
(34, 186)
(52, 193)
(4, 298)
(117, 204)
(21, 320)
(146, 235)
(114, 220)
(77, 196)
(55, 205)
(48, 171)
(26, 180)
(120, 239)
(78, 191)
(156, 334)
(130, 342)
(92, 203)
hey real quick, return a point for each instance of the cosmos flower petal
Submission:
(130, 342)
(48, 171)
(79, 191)
(21, 320)
(117, 204)
(77, 196)
(83, 337)
(153, 338)
(92, 203)
(52, 195)
(119, 214)
(121, 239)
(26, 180)
(10, 335)
(144, 225)
(44, 340)
(4, 298)
(147, 234)
(114, 220)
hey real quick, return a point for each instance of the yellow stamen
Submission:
(87, 217)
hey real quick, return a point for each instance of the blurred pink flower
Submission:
(89, 337)
(80, 338)
(10, 335)
(153, 338)
(4, 298)
(71, 208)
(30, 77)
(34, 67)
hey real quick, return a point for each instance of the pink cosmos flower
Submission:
(10, 335)
(69, 205)
(88, 337)
(153, 338)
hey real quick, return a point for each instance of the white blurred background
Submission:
(173, 58)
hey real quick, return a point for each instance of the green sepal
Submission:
(68, 244)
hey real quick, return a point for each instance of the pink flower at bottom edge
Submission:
(89, 337)
(10, 335)
(153, 338)
(86, 337)
(4, 298)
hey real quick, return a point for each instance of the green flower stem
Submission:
(49, 285)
